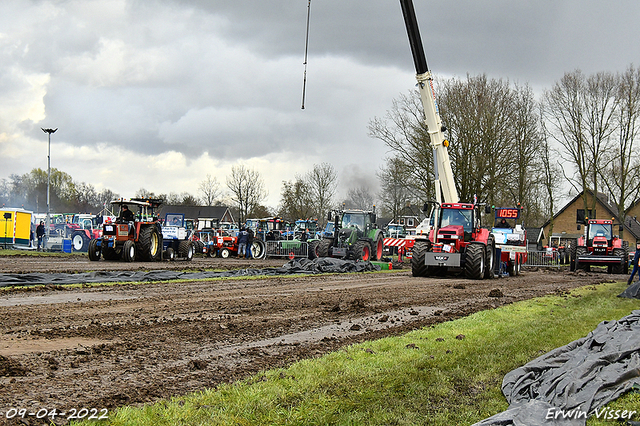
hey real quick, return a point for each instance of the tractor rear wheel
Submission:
(80, 241)
(474, 261)
(185, 250)
(418, 267)
(572, 258)
(362, 250)
(324, 246)
(258, 249)
(94, 250)
(149, 244)
(129, 251)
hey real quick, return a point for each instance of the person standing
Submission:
(40, 234)
(242, 242)
(635, 264)
(249, 243)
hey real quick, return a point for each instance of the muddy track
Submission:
(108, 346)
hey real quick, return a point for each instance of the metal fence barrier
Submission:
(286, 248)
(545, 258)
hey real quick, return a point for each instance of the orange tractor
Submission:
(133, 236)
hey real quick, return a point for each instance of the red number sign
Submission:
(508, 213)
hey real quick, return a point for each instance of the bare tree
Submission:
(404, 132)
(621, 174)
(581, 113)
(210, 190)
(296, 201)
(493, 134)
(247, 190)
(322, 182)
(394, 192)
(359, 198)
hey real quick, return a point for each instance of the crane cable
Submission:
(306, 51)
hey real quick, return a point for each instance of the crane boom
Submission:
(445, 187)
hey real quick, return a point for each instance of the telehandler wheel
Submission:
(418, 268)
(129, 251)
(490, 260)
(362, 250)
(474, 262)
(94, 250)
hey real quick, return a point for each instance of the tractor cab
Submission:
(600, 235)
(456, 224)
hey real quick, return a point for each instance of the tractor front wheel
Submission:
(362, 250)
(581, 251)
(324, 247)
(378, 247)
(94, 250)
(129, 251)
(185, 250)
(619, 269)
(312, 249)
(169, 254)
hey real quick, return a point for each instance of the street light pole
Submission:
(48, 222)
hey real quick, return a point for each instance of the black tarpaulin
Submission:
(296, 266)
(575, 381)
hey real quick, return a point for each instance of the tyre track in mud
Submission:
(108, 346)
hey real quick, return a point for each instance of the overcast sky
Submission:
(157, 94)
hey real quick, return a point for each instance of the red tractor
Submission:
(598, 246)
(133, 236)
(456, 243)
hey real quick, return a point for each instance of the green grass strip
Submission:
(448, 374)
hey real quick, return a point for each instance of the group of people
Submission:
(245, 241)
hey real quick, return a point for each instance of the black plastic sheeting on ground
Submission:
(562, 386)
(296, 266)
(632, 291)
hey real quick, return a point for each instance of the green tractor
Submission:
(356, 236)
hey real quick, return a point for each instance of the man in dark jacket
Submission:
(243, 236)
(635, 264)
(249, 243)
(40, 234)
